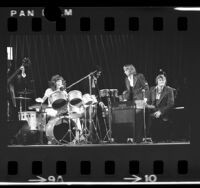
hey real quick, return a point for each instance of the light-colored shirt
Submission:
(158, 92)
(130, 78)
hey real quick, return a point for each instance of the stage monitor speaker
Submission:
(123, 121)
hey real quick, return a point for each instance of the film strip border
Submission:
(98, 164)
(85, 167)
(96, 19)
(86, 25)
(109, 169)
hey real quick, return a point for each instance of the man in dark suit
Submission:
(135, 83)
(160, 101)
(136, 90)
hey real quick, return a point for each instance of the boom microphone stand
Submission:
(89, 76)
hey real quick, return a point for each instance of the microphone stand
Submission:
(89, 76)
(82, 80)
(91, 122)
(145, 139)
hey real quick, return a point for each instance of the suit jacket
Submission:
(165, 102)
(139, 84)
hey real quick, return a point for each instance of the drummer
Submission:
(55, 84)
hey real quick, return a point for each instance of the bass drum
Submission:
(56, 130)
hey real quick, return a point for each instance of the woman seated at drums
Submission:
(56, 94)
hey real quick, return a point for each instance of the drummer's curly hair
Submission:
(54, 79)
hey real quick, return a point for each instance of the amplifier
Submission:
(123, 112)
(123, 121)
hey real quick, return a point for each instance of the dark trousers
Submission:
(158, 129)
(139, 125)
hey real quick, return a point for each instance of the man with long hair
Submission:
(136, 90)
(135, 83)
(56, 83)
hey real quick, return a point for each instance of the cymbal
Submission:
(35, 106)
(25, 92)
(25, 98)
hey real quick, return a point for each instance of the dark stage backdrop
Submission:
(75, 55)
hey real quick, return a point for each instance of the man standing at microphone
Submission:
(135, 83)
(137, 91)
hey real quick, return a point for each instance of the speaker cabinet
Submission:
(123, 122)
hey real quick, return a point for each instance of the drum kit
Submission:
(66, 126)
(70, 118)
(62, 122)
(66, 121)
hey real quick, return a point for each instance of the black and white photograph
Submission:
(102, 92)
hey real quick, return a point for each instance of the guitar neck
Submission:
(13, 75)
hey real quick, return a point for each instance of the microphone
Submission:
(62, 88)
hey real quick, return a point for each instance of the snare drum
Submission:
(50, 112)
(36, 120)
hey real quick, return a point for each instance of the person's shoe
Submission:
(147, 140)
(129, 140)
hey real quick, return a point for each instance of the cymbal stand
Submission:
(90, 88)
(106, 126)
(91, 122)
(109, 130)
(69, 131)
(86, 132)
(97, 123)
(90, 109)
(25, 101)
(94, 125)
(20, 105)
(8, 110)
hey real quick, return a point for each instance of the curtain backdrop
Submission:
(75, 56)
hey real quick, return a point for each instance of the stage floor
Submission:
(107, 144)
